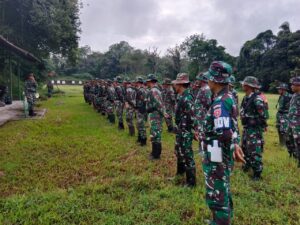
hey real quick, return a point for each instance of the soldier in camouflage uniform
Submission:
(254, 117)
(157, 112)
(169, 100)
(30, 92)
(283, 105)
(110, 101)
(203, 101)
(141, 110)
(232, 90)
(130, 104)
(102, 97)
(120, 101)
(293, 143)
(185, 123)
(220, 144)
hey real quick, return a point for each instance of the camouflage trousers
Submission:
(155, 120)
(169, 120)
(293, 142)
(102, 106)
(183, 149)
(217, 185)
(31, 100)
(252, 145)
(109, 107)
(119, 110)
(130, 116)
(140, 124)
(282, 126)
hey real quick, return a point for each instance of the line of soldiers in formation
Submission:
(206, 111)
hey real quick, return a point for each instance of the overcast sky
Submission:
(165, 23)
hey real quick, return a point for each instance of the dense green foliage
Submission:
(270, 57)
(41, 26)
(74, 167)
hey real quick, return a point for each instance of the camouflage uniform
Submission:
(185, 123)
(282, 123)
(30, 92)
(120, 100)
(156, 110)
(111, 96)
(254, 117)
(293, 142)
(220, 135)
(130, 101)
(141, 112)
(169, 100)
(203, 101)
(102, 97)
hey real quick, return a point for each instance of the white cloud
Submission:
(165, 23)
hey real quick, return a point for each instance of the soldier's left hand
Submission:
(238, 154)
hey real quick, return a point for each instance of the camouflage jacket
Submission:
(184, 112)
(203, 101)
(283, 104)
(221, 120)
(141, 96)
(120, 93)
(30, 87)
(111, 94)
(294, 112)
(254, 112)
(130, 97)
(168, 96)
(155, 101)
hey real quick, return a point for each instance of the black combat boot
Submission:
(257, 176)
(180, 168)
(138, 139)
(170, 129)
(131, 131)
(121, 126)
(191, 177)
(143, 141)
(245, 168)
(156, 151)
(32, 113)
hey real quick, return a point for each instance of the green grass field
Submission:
(73, 167)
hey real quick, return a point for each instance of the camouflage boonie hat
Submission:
(219, 72)
(295, 81)
(231, 80)
(252, 82)
(182, 78)
(127, 80)
(202, 77)
(139, 80)
(151, 77)
(167, 81)
(283, 86)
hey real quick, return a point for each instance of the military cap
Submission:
(119, 79)
(231, 80)
(252, 82)
(202, 77)
(295, 81)
(167, 81)
(182, 78)
(219, 72)
(283, 86)
(151, 77)
(139, 79)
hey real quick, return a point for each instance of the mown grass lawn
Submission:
(73, 167)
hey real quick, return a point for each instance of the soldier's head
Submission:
(218, 75)
(231, 82)
(201, 80)
(167, 83)
(127, 82)
(181, 83)
(30, 76)
(151, 80)
(139, 81)
(295, 81)
(250, 84)
(282, 88)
